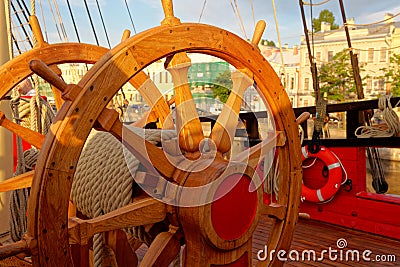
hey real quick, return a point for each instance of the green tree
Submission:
(221, 86)
(324, 16)
(336, 77)
(392, 74)
(268, 42)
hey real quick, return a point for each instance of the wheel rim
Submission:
(68, 135)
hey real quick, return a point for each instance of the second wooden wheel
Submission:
(216, 225)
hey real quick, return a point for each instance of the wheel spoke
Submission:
(34, 138)
(140, 212)
(275, 211)
(224, 130)
(187, 120)
(153, 98)
(255, 154)
(18, 182)
(148, 154)
(163, 250)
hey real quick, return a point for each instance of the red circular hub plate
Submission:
(233, 213)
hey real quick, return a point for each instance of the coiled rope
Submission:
(25, 113)
(103, 181)
(392, 126)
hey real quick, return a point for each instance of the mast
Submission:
(353, 57)
(6, 148)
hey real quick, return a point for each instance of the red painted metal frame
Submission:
(357, 208)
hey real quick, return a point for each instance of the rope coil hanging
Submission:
(392, 126)
(25, 113)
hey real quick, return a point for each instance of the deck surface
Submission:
(318, 236)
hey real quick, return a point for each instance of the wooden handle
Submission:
(37, 32)
(125, 35)
(303, 117)
(44, 71)
(258, 32)
(168, 8)
(13, 249)
(34, 138)
(18, 182)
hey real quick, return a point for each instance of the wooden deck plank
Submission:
(318, 236)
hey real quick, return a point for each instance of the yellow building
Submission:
(373, 43)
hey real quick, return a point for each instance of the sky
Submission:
(221, 13)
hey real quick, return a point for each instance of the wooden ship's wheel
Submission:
(213, 203)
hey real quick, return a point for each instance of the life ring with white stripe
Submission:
(334, 177)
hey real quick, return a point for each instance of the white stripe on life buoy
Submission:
(319, 195)
(334, 165)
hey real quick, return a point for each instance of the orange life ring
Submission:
(334, 178)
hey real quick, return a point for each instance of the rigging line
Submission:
(27, 38)
(234, 11)
(375, 50)
(353, 57)
(55, 21)
(60, 20)
(314, 71)
(240, 19)
(91, 22)
(202, 10)
(104, 25)
(312, 30)
(18, 34)
(376, 22)
(252, 13)
(130, 16)
(16, 44)
(279, 42)
(24, 10)
(317, 4)
(43, 21)
(73, 21)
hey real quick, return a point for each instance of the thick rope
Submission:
(103, 181)
(25, 114)
(392, 126)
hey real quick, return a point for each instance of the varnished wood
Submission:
(253, 156)
(224, 130)
(118, 242)
(225, 126)
(62, 149)
(163, 250)
(141, 212)
(18, 182)
(37, 32)
(34, 138)
(13, 249)
(125, 35)
(187, 122)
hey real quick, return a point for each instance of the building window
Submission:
(330, 55)
(369, 85)
(160, 77)
(370, 55)
(381, 84)
(291, 83)
(306, 84)
(166, 77)
(383, 54)
(318, 57)
(306, 102)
